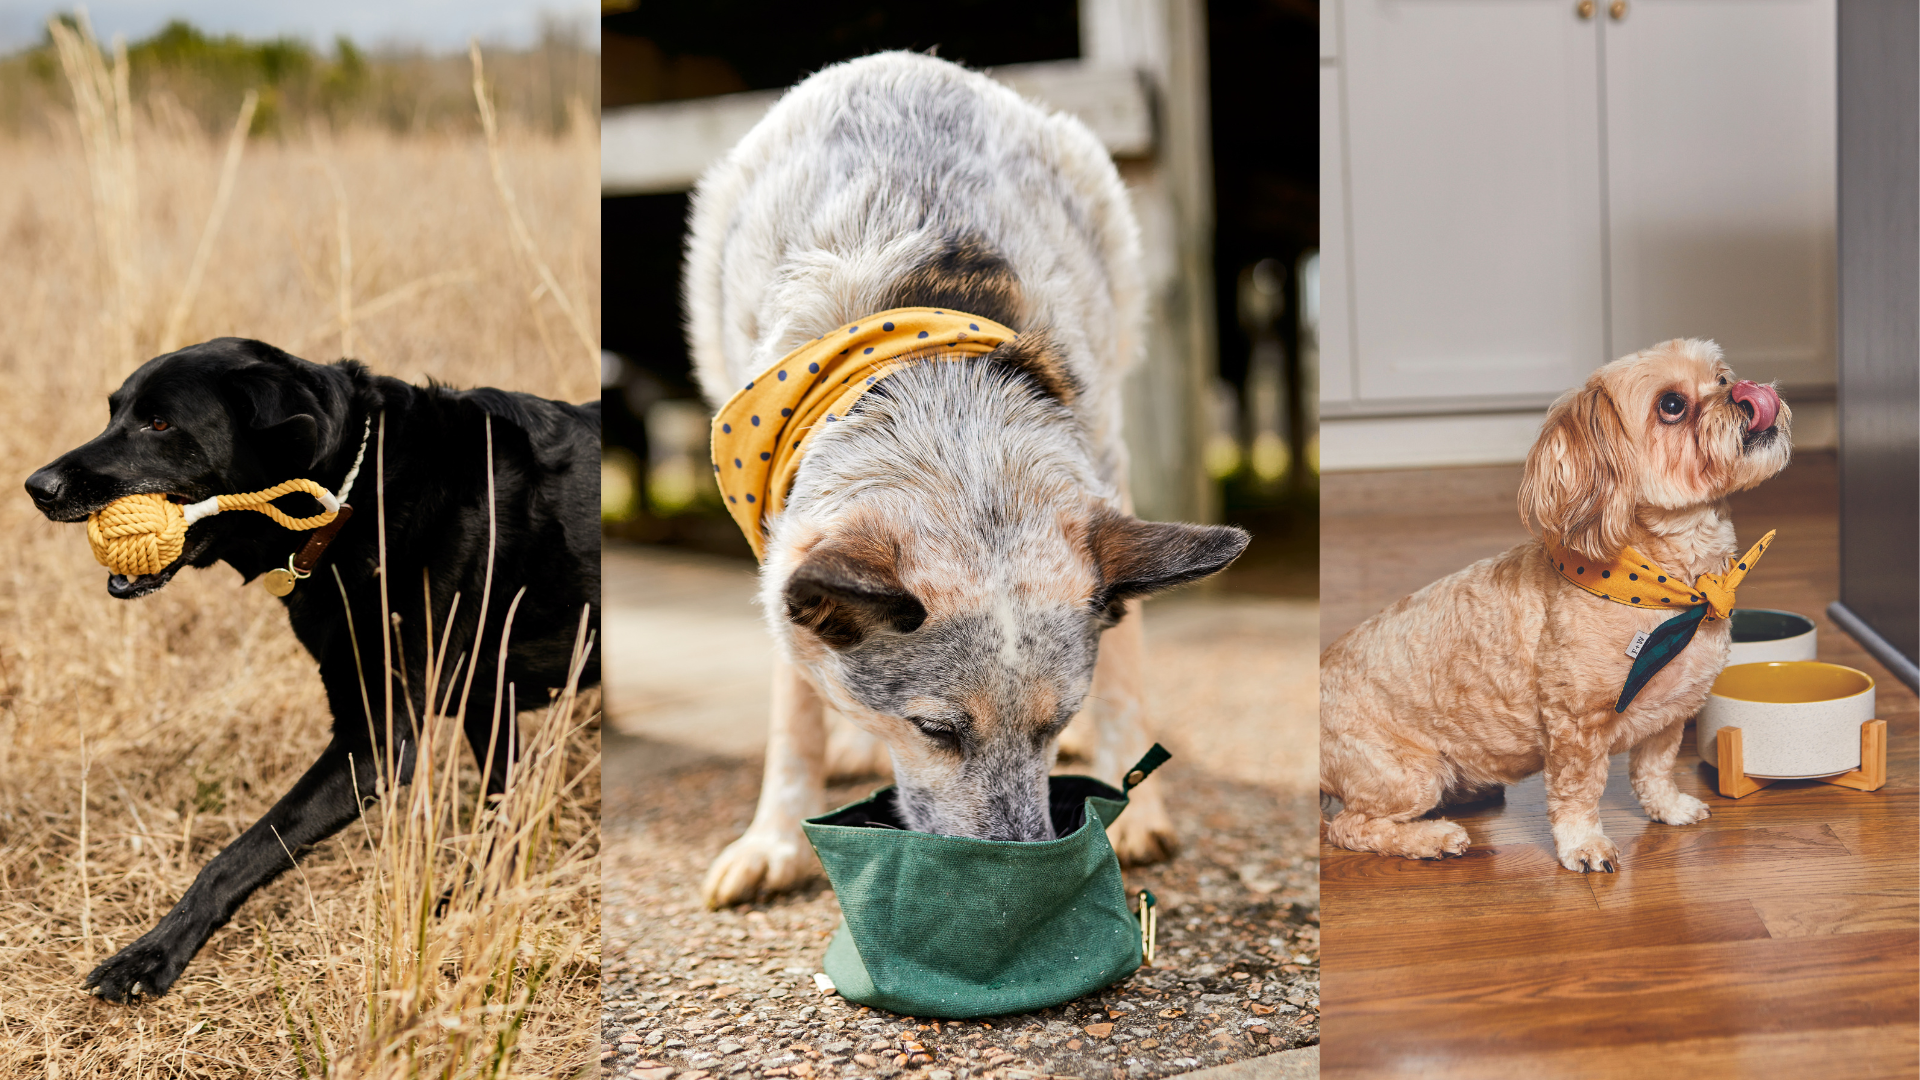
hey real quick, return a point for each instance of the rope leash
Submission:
(145, 533)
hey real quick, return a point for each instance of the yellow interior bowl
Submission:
(1791, 682)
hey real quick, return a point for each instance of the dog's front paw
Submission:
(145, 968)
(1595, 853)
(1436, 839)
(758, 863)
(1677, 808)
(1144, 837)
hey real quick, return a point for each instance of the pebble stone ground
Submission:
(691, 994)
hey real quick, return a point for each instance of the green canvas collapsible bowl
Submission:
(949, 927)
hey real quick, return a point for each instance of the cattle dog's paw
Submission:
(756, 864)
(852, 754)
(1676, 808)
(1595, 853)
(144, 969)
(1143, 838)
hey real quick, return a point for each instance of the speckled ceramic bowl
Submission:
(1762, 634)
(1797, 719)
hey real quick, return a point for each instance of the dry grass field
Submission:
(138, 738)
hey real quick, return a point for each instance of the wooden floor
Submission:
(1776, 939)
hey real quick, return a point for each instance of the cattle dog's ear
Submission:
(848, 587)
(1138, 558)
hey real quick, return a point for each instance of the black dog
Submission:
(234, 415)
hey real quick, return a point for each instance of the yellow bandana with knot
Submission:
(1632, 579)
(144, 534)
(760, 434)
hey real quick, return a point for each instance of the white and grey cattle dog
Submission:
(952, 556)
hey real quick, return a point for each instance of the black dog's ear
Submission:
(1137, 558)
(282, 413)
(297, 438)
(847, 588)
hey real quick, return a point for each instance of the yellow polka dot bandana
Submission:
(1632, 579)
(760, 434)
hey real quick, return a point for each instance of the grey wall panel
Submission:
(1879, 325)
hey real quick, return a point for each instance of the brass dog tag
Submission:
(280, 581)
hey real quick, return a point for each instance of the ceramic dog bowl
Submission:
(1762, 634)
(1798, 719)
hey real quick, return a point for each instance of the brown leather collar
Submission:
(303, 563)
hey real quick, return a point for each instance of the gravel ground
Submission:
(690, 994)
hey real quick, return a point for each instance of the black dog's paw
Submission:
(142, 969)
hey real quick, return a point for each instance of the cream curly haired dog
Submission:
(1508, 667)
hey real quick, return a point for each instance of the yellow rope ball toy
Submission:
(144, 534)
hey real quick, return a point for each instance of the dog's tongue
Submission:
(1762, 401)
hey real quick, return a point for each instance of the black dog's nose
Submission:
(44, 487)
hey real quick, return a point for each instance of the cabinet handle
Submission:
(1618, 10)
(1584, 9)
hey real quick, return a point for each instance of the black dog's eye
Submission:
(1672, 407)
(158, 424)
(1723, 380)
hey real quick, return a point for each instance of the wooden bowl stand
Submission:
(1870, 776)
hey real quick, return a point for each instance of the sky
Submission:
(439, 25)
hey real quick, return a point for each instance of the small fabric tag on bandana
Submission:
(1639, 639)
(1662, 645)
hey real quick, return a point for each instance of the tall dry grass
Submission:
(139, 738)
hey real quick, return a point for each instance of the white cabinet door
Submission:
(1335, 314)
(1473, 142)
(1720, 148)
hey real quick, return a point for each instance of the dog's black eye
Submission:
(158, 424)
(1723, 380)
(1672, 407)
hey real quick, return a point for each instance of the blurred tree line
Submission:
(191, 78)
